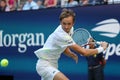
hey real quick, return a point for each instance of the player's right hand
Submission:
(104, 45)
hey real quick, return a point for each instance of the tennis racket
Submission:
(81, 36)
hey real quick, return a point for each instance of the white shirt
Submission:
(30, 6)
(63, 3)
(56, 43)
(72, 4)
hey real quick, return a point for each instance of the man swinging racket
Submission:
(61, 41)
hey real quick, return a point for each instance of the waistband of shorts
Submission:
(94, 67)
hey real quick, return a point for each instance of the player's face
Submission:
(67, 23)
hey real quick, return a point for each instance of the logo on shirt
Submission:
(68, 39)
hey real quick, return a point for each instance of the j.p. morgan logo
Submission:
(22, 40)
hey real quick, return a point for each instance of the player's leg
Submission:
(51, 73)
(60, 76)
(48, 72)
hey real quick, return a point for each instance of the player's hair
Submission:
(66, 13)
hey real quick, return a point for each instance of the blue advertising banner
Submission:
(23, 32)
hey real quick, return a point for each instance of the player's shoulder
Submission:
(61, 34)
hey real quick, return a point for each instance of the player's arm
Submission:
(88, 52)
(69, 53)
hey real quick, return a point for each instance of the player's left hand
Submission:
(75, 57)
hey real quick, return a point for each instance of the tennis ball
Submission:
(4, 63)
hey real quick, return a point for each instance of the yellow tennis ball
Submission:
(4, 62)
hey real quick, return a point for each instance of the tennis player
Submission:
(60, 41)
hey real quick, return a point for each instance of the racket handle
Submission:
(98, 42)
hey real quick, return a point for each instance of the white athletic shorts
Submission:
(46, 70)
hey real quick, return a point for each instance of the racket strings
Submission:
(81, 37)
